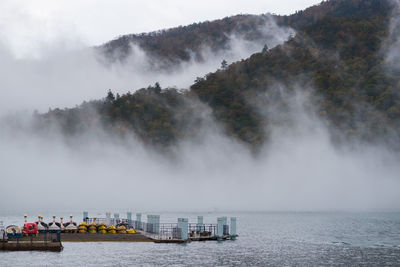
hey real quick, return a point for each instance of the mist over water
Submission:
(299, 169)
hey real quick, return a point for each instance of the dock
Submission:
(44, 242)
(155, 231)
(115, 230)
(28, 246)
(76, 237)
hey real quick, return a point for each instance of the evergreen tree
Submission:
(224, 64)
(265, 49)
(110, 96)
(157, 88)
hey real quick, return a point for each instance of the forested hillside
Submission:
(337, 57)
(169, 47)
(336, 9)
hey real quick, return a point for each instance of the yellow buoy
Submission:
(102, 228)
(92, 228)
(131, 231)
(121, 229)
(82, 228)
(111, 229)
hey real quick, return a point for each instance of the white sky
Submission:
(28, 25)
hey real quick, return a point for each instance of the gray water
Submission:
(265, 239)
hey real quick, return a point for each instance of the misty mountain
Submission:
(170, 47)
(337, 59)
(336, 9)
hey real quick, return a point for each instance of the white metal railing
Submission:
(2, 232)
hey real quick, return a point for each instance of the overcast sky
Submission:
(27, 25)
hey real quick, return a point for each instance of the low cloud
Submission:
(63, 75)
(299, 169)
(392, 45)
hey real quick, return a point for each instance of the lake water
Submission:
(265, 239)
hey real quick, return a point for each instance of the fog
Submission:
(45, 21)
(392, 47)
(300, 169)
(66, 74)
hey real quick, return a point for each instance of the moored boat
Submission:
(54, 226)
(71, 226)
(13, 231)
(62, 227)
(41, 226)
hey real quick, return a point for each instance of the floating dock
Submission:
(28, 246)
(76, 237)
(180, 232)
(44, 242)
(48, 238)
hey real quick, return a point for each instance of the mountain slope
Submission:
(172, 46)
(337, 58)
(336, 9)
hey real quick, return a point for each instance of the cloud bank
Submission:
(300, 169)
(44, 22)
(63, 75)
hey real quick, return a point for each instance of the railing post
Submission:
(226, 226)
(183, 224)
(129, 217)
(108, 218)
(220, 227)
(200, 224)
(149, 225)
(85, 216)
(233, 227)
(154, 220)
(157, 223)
(138, 221)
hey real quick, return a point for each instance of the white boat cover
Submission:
(42, 226)
(13, 229)
(54, 227)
